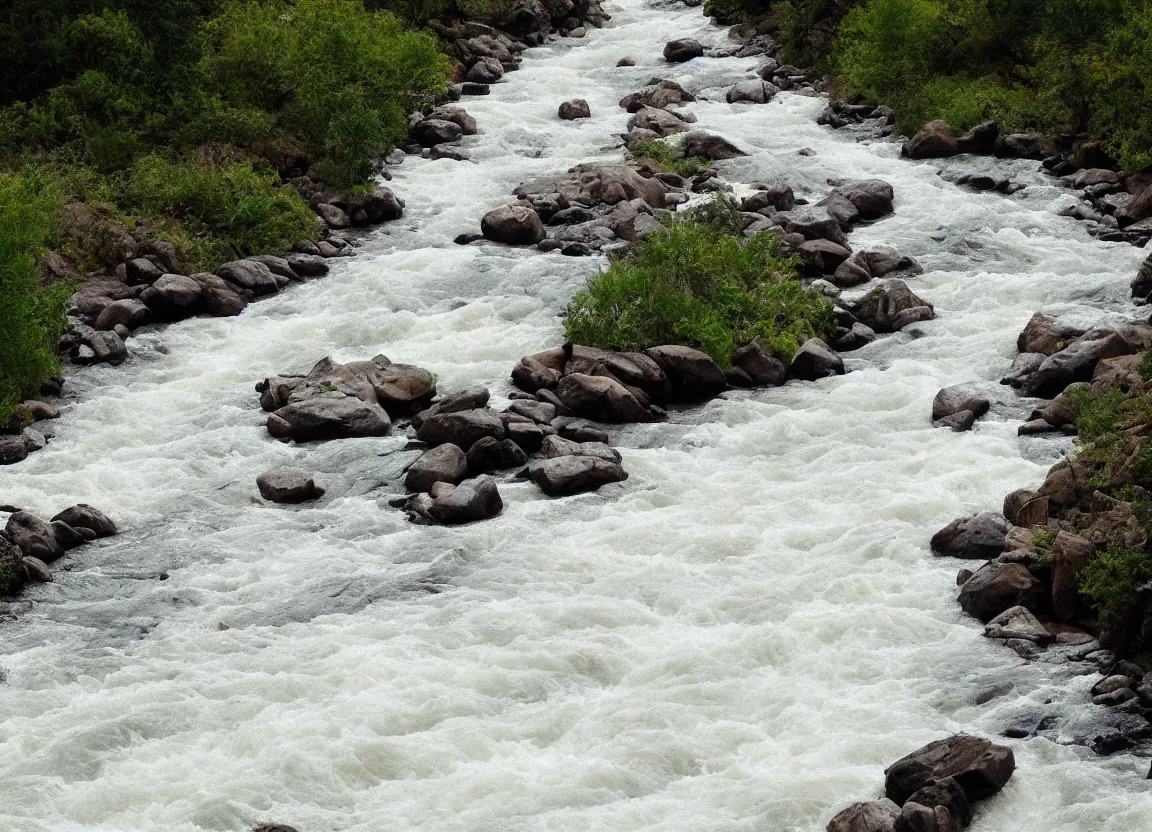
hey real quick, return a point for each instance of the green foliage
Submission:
(1110, 580)
(699, 283)
(669, 157)
(31, 317)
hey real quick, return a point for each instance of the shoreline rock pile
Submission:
(29, 545)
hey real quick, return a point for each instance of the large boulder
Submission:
(574, 109)
(600, 398)
(815, 360)
(932, 141)
(1136, 209)
(997, 587)
(980, 536)
(471, 399)
(34, 536)
(128, 313)
(752, 90)
(329, 415)
(486, 70)
(1070, 554)
(595, 183)
(1046, 334)
(760, 366)
(541, 371)
(218, 297)
(978, 766)
(12, 573)
(946, 794)
(444, 463)
(83, 516)
(554, 446)
(172, 297)
(250, 275)
(471, 500)
(515, 225)
(957, 399)
(684, 49)
(573, 474)
(873, 816)
(488, 454)
(707, 146)
(461, 428)
(1018, 622)
(377, 206)
(1076, 362)
(980, 139)
(288, 485)
(660, 122)
(433, 131)
(458, 116)
(871, 198)
(891, 306)
(693, 375)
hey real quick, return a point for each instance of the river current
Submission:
(739, 637)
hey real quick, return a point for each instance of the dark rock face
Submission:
(34, 536)
(473, 398)
(977, 766)
(761, 367)
(693, 375)
(956, 399)
(573, 474)
(685, 49)
(433, 131)
(980, 536)
(516, 225)
(288, 485)
(488, 454)
(814, 360)
(1046, 334)
(753, 91)
(250, 275)
(331, 415)
(934, 140)
(83, 516)
(997, 587)
(574, 109)
(707, 146)
(600, 398)
(12, 573)
(1076, 362)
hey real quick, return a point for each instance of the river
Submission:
(739, 637)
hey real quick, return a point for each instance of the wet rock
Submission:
(34, 536)
(957, 398)
(892, 306)
(515, 225)
(540, 412)
(458, 116)
(554, 446)
(142, 271)
(980, 139)
(473, 398)
(934, 140)
(846, 339)
(36, 570)
(401, 389)
(527, 434)
(680, 51)
(601, 398)
(250, 275)
(68, 537)
(1026, 508)
(307, 265)
(1070, 554)
(872, 198)
(752, 90)
(1023, 366)
(172, 297)
(332, 216)
(444, 463)
(979, 536)
(288, 485)
(380, 204)
(874, 816)
(35, 411)
(593, 184)
(1018, 622)
(711, 147)
(485, 71)
(761, 367)
(488, 454)
(917, 818)
(661, 122)
(574, 474)
(815, 360)
(626, 62)
(12, 572)
(83, 516)
(821, 256)
(461, 428)
(1076, 362)
(959, 422)
(330, 415)
(540, 371)
(692, 374)
(978, 766)
(471, 500)
(574, 109)
(579, 430)
(997, 587)
(949, 795)
(1046, 334)
(218, 297)
(778, 197)
(129, 312)
(433, 131)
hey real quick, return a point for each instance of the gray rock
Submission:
(946, 793)
(129, 312)
(488, 454)
(461, 428)
(954, 399)
(516, 225)
(997, 587)
(692, 374)
(601, 398)
(250, 275)
(934, 140)
(537, 411)
(710, 147)
(433, 131)
(680, 51)
(1018, 622)
(12, 573)
(980, 536)
(172, 297)
(444, 463)
(13, 449)
(473, 398)
(873, 816)
(36, 570)
(458, 116)
(307, 265)
(288, 485)
(892, 306)
(563, 475)
(979, 767)
(815, 360)
(752, 90)
(34, 536)
(471, 500)
(331, 415)
(1046, 334)
(574, 109)
(142, 271)
(218, 297)
(554, 446)
(485, 71)
(83, 516)
(761, 367)
(1076, 362)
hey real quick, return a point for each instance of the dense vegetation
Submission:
(179, 121)
(700, 283)
(1080, 67)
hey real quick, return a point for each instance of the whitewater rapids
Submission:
(739, 637)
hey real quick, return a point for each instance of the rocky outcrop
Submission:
(979, 536)
(997, 587)
(29, 544)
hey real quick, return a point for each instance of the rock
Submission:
(307, 265)
(917, 818)
(579, 430)
(488, 454)
(874, 816)
(1018, 622)
(892, 306)
(1115, 698)
(540, 371)
(661, 122)
(68, 537)
(872, 198)
(34, 536)
(979, 767)
(276, 265)
(444, 463)
(473, 398)
(1076, 362)
(934, 140)
(540, 412)
(753, 90)
(1023, 366)
(129, 312)
(574, 109)
(1070, 554)
(1137, 209)
(814, 360)
(333, 216)
(593, 184)
(573, 474)
(13, 575)
(980, 139)
(83, 516)
(172, 297)
(461, 428)
(680, 51)
(1026, 508)
(527, 434)
(710, 147)
(979, 536)
(997, 587)
(821, 256)
(458, 116)
(485, 71)
(36, 570)
(845, 339)
(959, 422)
(471, 500)
(761, 367)
(813, 225)
(142, 271)
(218, 297)
(35, 411)
(693, 375)
(330, 415)
(250, 275)
(957, 398)
(1018, 146)
(1111, 684)
(516, 225)
(554, 446)
(288, 485)
(601, 398)
(401, 389)
(1046, 334)
(626, 62)
(948, 794)
(779, 197)
(434, 131)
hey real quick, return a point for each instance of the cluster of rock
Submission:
(840, 113)
(935, 140)
(30, 430)
(438, 132)
(958, 407)
(28, 544)
(933, 789)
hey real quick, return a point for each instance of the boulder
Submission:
(527, 434)
(693, 375)
(1026, 508)
(488, 454)
(579, 430)
(872, 198)
(957, 398)
(1023, 365)
(997, 587)
(932, 141)
(380, 204)
(540, 412)
(1076, 362)
(102, 347)
(978, 766)
(68, 537)
(444, 463)
(172, 297)
(574, 109)
(947, 794)
(329, 415)
(707, 146)
(892, 306)
(461, 428)
(752, 90)
(761, 367)
(778, 197)
(1018, 622)
(250, 275)
(36, 570)
(1136, 209)
(33, 410)
(288, 485)
(600, 398)
(12, 573)
(401, 389)
(980, 536)
(573, 474)
(594, 183)
(682, 50)
(959, 421)
(815, 360)
(661, 122)
(307, 265)
(917, 818)
(83, 516)
(129, 312)
(218, 297)
(845, 339)
(458, 116)
(980, 139)
(1046, 334)
(873, 816)
(434, 131)
(515, 225)
(276, 265)
(471, 399)
(142, 271)
(541, 371)
(1070, 554)
(485, 71)
(821, 256)
(334, 217)
(34, 536)
(471, 500)
(554, 446)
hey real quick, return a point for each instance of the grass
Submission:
(668, 158)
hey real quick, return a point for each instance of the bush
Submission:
(31, 316)
(699, 283)
(668, 157)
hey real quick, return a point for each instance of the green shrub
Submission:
(1110, 580)
(699, 283)
(31, 316)
(669, 157)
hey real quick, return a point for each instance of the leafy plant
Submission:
(668, 157)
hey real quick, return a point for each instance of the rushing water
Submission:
(739, 637)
